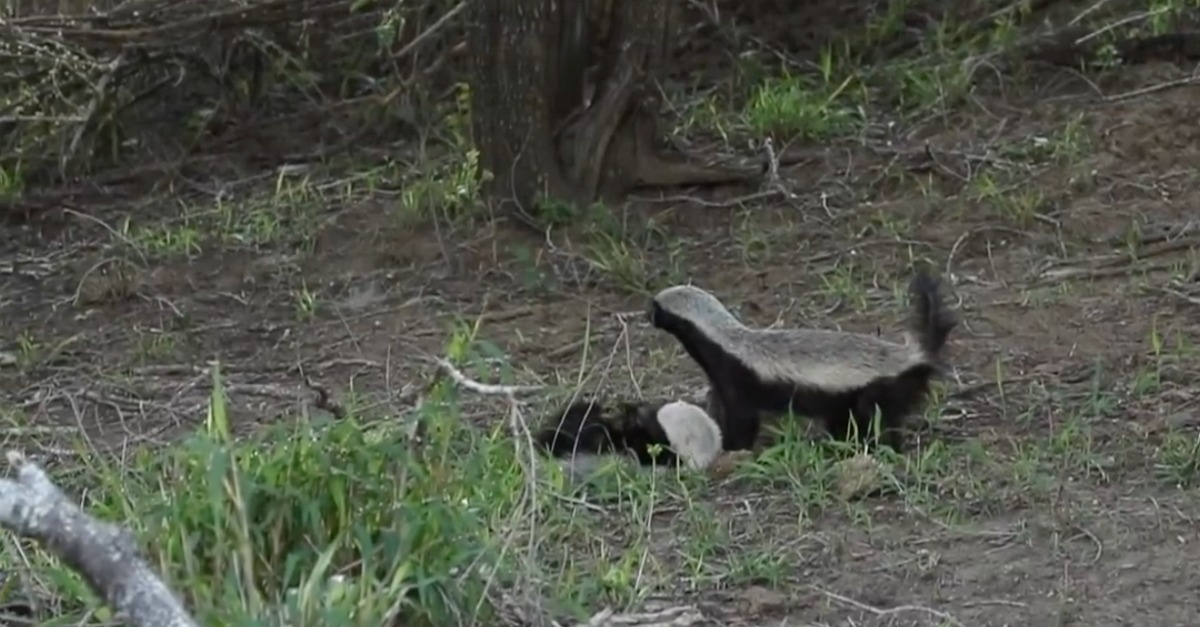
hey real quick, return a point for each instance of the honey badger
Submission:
(832, 376)
(679, 432)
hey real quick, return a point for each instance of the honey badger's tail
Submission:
(931, 321)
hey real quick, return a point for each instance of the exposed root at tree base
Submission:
(613, 153)
(656, 170)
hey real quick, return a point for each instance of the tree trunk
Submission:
(538, 134)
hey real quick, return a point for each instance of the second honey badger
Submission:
(661, 434)
(832, 376)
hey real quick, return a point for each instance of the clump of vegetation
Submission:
(316, 522)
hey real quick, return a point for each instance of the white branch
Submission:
(681, 616)
(483, 388)
(104, 554)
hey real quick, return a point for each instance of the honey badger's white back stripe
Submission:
(694, 435)
(830, 360)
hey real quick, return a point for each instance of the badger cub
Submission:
(662, 434)
(831, 376)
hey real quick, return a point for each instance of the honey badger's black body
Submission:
(835, 377)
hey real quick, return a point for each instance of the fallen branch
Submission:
(104, 554)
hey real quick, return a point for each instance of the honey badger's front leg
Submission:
(727, 461)
(712, 404)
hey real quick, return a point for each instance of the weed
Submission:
(313, 522)
(803, 107)
(306, 303)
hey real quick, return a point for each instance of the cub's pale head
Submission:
(693, 435)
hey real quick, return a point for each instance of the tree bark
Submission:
(538, 134)
(510, 114)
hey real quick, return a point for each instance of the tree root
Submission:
(611, 148)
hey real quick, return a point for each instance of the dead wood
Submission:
(105, 555)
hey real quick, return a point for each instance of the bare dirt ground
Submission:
(1075, 344)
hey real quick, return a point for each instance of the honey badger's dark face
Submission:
(655, 314)
(665, 320)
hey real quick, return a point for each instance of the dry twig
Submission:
(681, 616)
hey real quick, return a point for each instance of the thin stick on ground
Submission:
(483, 388)
(324, 400)
(681, 616)
(890, 611)
(104, 554)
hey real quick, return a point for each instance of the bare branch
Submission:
(682, 616)
(483, 388)
(104, 554)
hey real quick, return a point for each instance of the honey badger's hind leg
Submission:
(895, 399)
(866, 430)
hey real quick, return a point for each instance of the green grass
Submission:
(357, 522)
(351, 522)
(247, 529)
